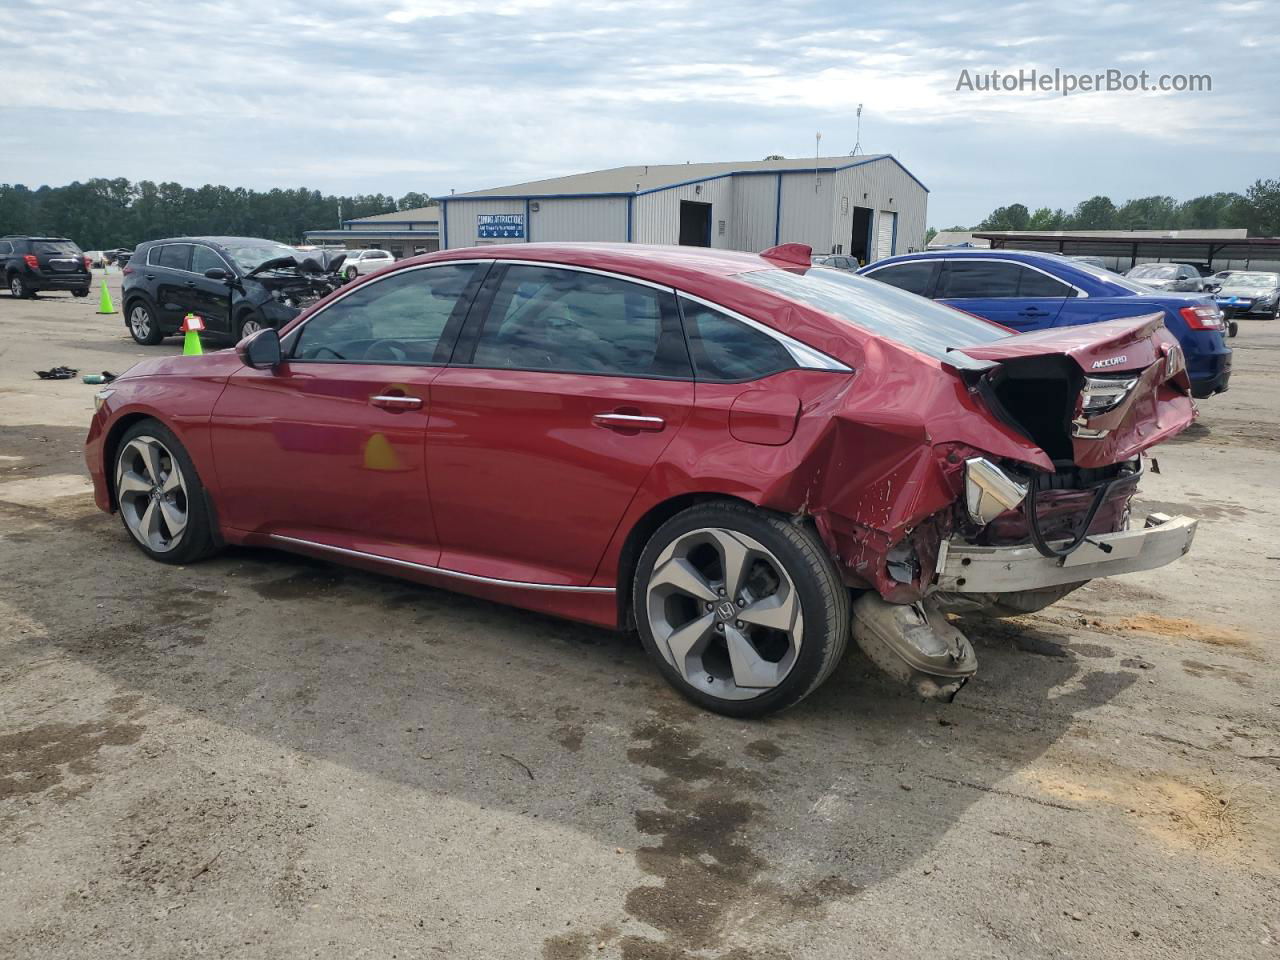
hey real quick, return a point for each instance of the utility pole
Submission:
(857, 140)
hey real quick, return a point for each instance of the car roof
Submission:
(28, 236)
(647, 260)
(217, 240)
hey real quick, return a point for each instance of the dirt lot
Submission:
(264, 757)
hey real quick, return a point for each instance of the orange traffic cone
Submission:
(191, 326)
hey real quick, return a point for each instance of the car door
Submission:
(1002, 291)
(168, 273)
(208, 298)
(328, 447)
(565, 389)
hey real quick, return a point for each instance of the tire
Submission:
(250, 322)
(159, 495)
(350, 274)
(1233, 327)
(142, 324)
(18, 288)
(799, 624)
(80, 293)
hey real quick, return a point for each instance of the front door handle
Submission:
(396, 404)
(628, 421)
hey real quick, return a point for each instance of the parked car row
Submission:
(745, 457)
(1026, 291)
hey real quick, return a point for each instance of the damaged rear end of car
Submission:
(989, 475)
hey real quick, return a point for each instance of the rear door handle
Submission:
(396, 404)
(628, 421)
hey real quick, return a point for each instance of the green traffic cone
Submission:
(191, 341)
(104, 303)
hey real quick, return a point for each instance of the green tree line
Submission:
(1257, 210)
(107, 213)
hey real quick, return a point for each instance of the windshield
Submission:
(1265, 280)
(251, 253)
(56, 248)
(1155, 271)
(876, 307)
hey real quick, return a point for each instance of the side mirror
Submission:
(216, 273)
(261, 350)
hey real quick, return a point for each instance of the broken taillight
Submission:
(1101, 394)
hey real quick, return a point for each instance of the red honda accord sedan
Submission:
(745, 457)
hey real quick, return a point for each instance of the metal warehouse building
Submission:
(867, 207)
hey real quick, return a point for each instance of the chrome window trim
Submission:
(441, 571)
(805, 356)
(192, 244)
(1080, 294)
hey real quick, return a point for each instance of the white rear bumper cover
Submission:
(965, 568)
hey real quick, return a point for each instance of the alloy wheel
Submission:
(15, 287)
(152, 494)
(250, 326)
(140, 322)
(725, 613)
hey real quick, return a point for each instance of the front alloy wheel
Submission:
(249, 326)
(154, 499)
(160, 497)
(742, 609)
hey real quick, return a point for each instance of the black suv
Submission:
(32, 264)
(237, 285)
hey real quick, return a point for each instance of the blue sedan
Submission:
(1025, 290)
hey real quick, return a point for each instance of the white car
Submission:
(365, 261)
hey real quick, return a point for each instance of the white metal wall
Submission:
(657, 215)
(755, 208)
(817, 209)
(569, 219)
(880, 185)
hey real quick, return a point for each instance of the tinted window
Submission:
(913, 277)
(56, 248)
(544, 318)
(175, 255)
(203, 258)
(879, 308)
(985, 279)
(1037, 284)
(397, 320)
(6, 248)
(727, 350)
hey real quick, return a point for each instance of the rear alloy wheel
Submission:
(742, 609)
(160, 497)
(80, 293)
(19, 289)
(143, 326)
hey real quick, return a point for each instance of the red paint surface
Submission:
(505, 474)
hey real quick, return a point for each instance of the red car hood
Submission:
(1138, 352)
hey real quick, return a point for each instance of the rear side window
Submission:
(544, 318)
(978, 279)
(175, 255)
(726, 350)
(914, 277)
(56, 248)
(6, 248)
(1036, 284)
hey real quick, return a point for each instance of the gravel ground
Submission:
(262, 756)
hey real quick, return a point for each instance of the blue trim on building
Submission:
(444, 224)
(528, 223)
(543, 196)
(631, 205)
(893, 240)
(777, 214)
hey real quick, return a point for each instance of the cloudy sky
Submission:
(433, 95)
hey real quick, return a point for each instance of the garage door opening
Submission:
(860, 241)
(695, 224)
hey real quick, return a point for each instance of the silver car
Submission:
(1177, 277)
